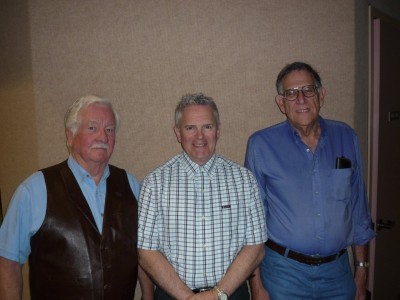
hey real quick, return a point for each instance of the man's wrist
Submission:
(220, 293)
(361, 264)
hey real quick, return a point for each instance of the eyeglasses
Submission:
(307, 90)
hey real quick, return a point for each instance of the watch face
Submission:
(223, 296)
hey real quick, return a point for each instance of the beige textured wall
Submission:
(144, 54)
(18, 139)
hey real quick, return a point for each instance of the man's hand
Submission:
(163, 274)
(361, 283)
(258, 292)
(209, 295)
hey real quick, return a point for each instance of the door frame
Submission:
(373, 131)
(373, 124)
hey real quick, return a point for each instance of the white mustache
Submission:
(99, 145)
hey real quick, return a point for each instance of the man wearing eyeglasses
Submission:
(309, 171)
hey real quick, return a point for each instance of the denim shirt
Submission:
(311, 207)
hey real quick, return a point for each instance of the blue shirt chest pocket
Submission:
(339, 185)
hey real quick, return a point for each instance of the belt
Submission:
(305, 259)
(200, 290)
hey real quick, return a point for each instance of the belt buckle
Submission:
(201, 290)
(317, 260)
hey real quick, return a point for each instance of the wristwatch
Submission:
(362, 264)
(221, 294)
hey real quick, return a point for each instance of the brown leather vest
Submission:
(70, 259)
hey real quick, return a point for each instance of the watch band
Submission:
(218, 290)
(362, 264)
(221, 293)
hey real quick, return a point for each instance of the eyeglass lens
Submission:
(308, 91)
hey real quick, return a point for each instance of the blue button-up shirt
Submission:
(311, 207)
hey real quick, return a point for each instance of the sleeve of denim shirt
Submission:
(362, 222)
(251, 164)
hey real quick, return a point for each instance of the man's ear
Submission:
(177, 134)
(70, 137)
(281, 103)
(322, 93)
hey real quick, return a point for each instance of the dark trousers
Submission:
(242, 293)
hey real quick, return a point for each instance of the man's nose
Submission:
(300, 97)
(102, 135)
(199, 133)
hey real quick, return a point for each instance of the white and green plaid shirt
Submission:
(200, 217)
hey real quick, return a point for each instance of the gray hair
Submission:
(296, 66)
(195, 99)
(71, 119)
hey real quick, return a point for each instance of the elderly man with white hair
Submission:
(76, 221)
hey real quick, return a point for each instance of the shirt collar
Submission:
(193, 168)
(322, 138)
(322, 124)
(81, 174)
